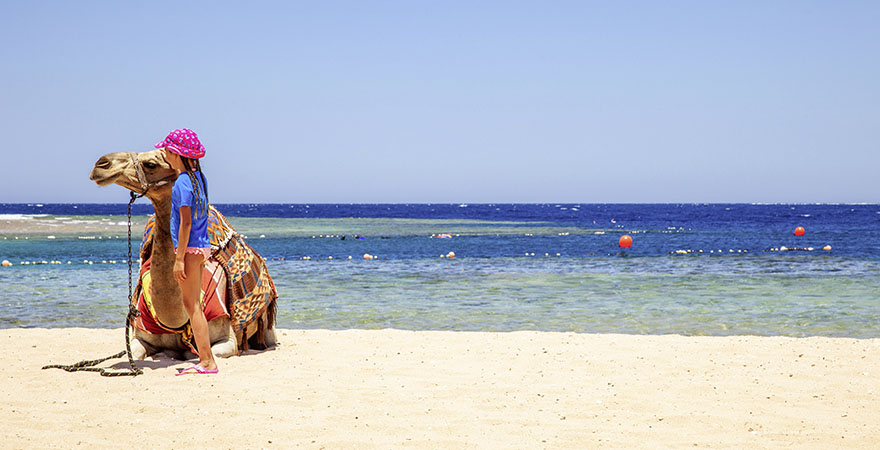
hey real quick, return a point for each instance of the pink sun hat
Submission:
(184, 142)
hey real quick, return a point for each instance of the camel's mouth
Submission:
(104, 176)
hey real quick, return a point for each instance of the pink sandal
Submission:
(196, 369)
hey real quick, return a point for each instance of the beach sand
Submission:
(402, 389)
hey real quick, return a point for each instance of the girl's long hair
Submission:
(199, 183)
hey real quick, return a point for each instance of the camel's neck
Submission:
(166, 295)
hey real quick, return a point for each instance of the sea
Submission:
(692, 269)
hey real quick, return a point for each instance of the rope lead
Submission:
(86, 366)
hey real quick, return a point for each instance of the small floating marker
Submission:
(827, 248)
(558, 254)
(349, 256)
(450, 255)
(5, 263)
(799, 231)
(262, 235)
(546, 254)
(626, 241)
(783, 248)
(368, 256)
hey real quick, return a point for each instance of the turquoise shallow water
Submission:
(580, 295)
(494, 283)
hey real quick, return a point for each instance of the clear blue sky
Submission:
(417, 101)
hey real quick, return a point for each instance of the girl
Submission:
(189, 232)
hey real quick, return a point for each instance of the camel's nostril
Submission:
(103, 163)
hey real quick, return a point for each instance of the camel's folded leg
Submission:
(139, 349)
(223, 342)
(225, 348)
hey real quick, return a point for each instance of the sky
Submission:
(432, 102)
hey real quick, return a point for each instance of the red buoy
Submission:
(799, 231)
(625, 241)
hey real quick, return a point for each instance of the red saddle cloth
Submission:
(213, 299)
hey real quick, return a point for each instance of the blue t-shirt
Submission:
(182, 194)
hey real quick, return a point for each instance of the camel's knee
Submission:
(225, 348)
(138, 350)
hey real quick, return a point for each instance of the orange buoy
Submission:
(799, 231)
(625, 241)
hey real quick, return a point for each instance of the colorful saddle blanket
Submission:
(244, 287)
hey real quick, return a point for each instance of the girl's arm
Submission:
(182, 242)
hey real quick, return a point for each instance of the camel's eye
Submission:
(150, 165)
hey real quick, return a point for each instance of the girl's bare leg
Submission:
(191, 287)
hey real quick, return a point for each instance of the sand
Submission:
(403, 389)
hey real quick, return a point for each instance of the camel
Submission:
(148, 173)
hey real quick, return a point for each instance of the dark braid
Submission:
(199, 186)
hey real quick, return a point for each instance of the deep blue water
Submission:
(518, 266)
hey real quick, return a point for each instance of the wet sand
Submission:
(401, 389)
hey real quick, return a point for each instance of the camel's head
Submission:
(155, 179)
